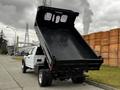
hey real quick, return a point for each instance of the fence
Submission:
(106, 44)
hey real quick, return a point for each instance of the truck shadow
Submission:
(66, 83)
(57, 83)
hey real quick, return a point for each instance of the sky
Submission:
(14, 14)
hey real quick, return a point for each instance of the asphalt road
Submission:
(11, 78)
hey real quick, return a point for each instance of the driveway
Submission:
(12, 78)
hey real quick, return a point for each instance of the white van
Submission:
(33, 56)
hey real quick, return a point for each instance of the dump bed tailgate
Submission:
(82, 64)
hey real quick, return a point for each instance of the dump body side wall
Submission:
(44, 46)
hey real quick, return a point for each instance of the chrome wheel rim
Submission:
(22, 66)
(40, 77)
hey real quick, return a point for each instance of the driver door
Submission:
(30, 58)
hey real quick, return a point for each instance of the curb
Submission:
(103, 86)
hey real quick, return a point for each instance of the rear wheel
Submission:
(77, 80)
(24, 68)
(44, 78)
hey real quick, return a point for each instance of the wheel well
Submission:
(45, 66)
(23, 61)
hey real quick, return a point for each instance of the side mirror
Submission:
(26, 54)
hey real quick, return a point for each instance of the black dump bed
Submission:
(65, 45)
(61, 41)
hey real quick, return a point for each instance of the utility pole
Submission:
(14, 29)
(43, 3)
(47, 3)
(17, 43)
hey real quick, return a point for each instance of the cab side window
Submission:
(39, 51)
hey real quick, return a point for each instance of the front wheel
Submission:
(24, 68)
(44, 78)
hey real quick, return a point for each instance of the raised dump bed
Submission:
(67, 53)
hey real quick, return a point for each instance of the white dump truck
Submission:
(62, 53)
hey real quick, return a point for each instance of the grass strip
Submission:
(107, 75)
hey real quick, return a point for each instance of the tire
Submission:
(44, 78)
(24, 68)
(77, 80)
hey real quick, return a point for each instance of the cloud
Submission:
(67, 4)
(106, 14)
(17, 12)
(13, 12)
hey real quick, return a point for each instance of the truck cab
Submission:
(33, 56)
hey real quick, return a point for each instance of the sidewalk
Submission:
(6, 80)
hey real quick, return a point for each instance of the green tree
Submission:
(3, 43)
